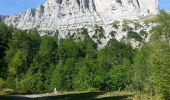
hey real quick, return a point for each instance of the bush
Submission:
(2, 83)
(134, 35)
(137, 25)
(99, 32)
(30, 84)
(115, 24)
(143, 33)
(113, 33)
(126, 27)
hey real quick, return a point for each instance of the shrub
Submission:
(2, 83)
(126, 27)
(113, 33)
(134, 35)
(99, 32)
(115, 24)
(30, 84)
(137, 25)
(143, 33)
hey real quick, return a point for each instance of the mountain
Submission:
(68, 15)
(73, 13)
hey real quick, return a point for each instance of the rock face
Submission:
(70, 14)
(65, 17)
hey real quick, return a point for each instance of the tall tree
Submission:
(45, 60)
(142, 70)
(160, 61)
(25, 44)
(5, 37)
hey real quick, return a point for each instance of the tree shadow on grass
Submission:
(76, 96)
(125, 97)
(167, 97)
(13, 97)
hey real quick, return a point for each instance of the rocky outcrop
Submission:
(68, 14)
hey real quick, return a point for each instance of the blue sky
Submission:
(164, 4)
(8, 7)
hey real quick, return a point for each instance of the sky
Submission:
(8, 7)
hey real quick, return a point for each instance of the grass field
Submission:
(71, 96)
(79, 96)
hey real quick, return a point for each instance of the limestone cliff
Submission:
(63, 14)
(66, 16)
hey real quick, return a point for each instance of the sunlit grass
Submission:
(7, 91)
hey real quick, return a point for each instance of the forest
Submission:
(30, 63)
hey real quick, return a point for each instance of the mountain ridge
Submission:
(55, 13)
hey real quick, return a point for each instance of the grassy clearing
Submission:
(81, 95)
(7, 91)
(72, 95)
(146, 97)
(75, 95)
(116, 96)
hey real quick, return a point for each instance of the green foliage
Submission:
(46, 55)
(99, 32)
(141, 69)
(162, 30)
(134, 35)
(160, 61)
(143, 33)
(126, 27)
(22, 49)
(114, 52)
(5, 37)
(111, 59)
(81, 80)
(17, 62)
(113, 33)
(120, 75)
(44, 60)
(151, 67)
(63, 75)
(30, 84)
(81, 35)
(33, 64)
(70, 49)
(2, 83)
(56, 77)
(160, 55)
(115, 24)
(137, 25)
(149, 19)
